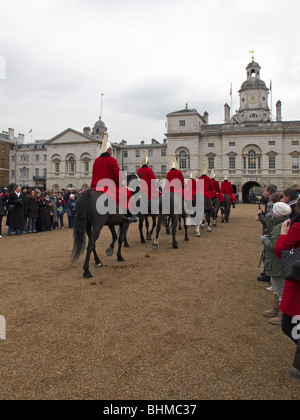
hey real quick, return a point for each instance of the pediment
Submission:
(295, 153)
(71, 136)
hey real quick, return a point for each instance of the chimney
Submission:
(21, 138)
(11, 134)
(87, 131)
(278, 111)
(227, 114)
(206, 117)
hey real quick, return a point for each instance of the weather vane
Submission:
(252, 52)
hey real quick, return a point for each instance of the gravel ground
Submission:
(166, 324)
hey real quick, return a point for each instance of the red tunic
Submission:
(173, 175)
(106, 168)
(208, 187)
(290, 304)
(217, 190)
(146, 174)
(226, 188)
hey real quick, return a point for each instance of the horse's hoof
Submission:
(143, 241)
(99, 264)
(175, 246)
(126, 246)
(209, 230)
(87, 275)
(121, 259)
(109, 252)
(154, 246)
(186, 239)
(198, 235)
(149, 238)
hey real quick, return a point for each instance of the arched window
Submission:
(184, 161)
(71, 165)
(252, 159)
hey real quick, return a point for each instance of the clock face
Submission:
(253, 99)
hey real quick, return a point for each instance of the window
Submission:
(138, 153)
(45, 172)
(272, 162)
(25, 173)
(182, 123)
(150, 154)
(163, 169)
(13, 158)
(56, 168)
(211, 145)
(164, 153)
(125, 154)
(12, 174)
(211, 163)
(86, 166)
(232, 163)
(295, 163)
(71, 165)
(184, 161)
(232, 144)
(37, 158)
(252, 162)
(295, 143)
(272, 143)
(45, 158)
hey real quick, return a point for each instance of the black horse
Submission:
(174, 216)
(226, 208)
(89, 222)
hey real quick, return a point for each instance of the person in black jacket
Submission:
(3, 200)
(15, 217)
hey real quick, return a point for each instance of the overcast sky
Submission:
(148, 57)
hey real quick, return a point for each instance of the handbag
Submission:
(291, 264)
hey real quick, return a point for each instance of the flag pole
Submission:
(231, 101)
(102, 94)
(271, 90)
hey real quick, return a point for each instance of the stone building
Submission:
(7, 142)
(28, 164)
(251, 148)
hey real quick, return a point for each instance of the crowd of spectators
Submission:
(281, 232)
(31, 211)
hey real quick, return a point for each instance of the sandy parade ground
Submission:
(168, 324)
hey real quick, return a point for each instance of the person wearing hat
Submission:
(208, 187)
(106, 168)
(290, 304)
(147, 175)
(226, 188)
(216, 187)
(273, 266)
(174, 174)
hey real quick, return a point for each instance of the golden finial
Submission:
(252, 52)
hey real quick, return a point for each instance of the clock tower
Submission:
(254, 96)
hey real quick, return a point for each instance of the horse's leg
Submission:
(141, 226)
(158, 229)
(153, 227)
(186, 238)
(179, 222)
(110, 250)
(147, 226)
(208, 221)
(174, 229)
(123, 229)
(94, 235)
(126, 244)
(197, 230)
(168, 225)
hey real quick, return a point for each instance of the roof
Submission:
(253, 83)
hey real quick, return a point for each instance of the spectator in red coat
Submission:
(290, 304)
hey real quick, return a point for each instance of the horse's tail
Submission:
(80, 224)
